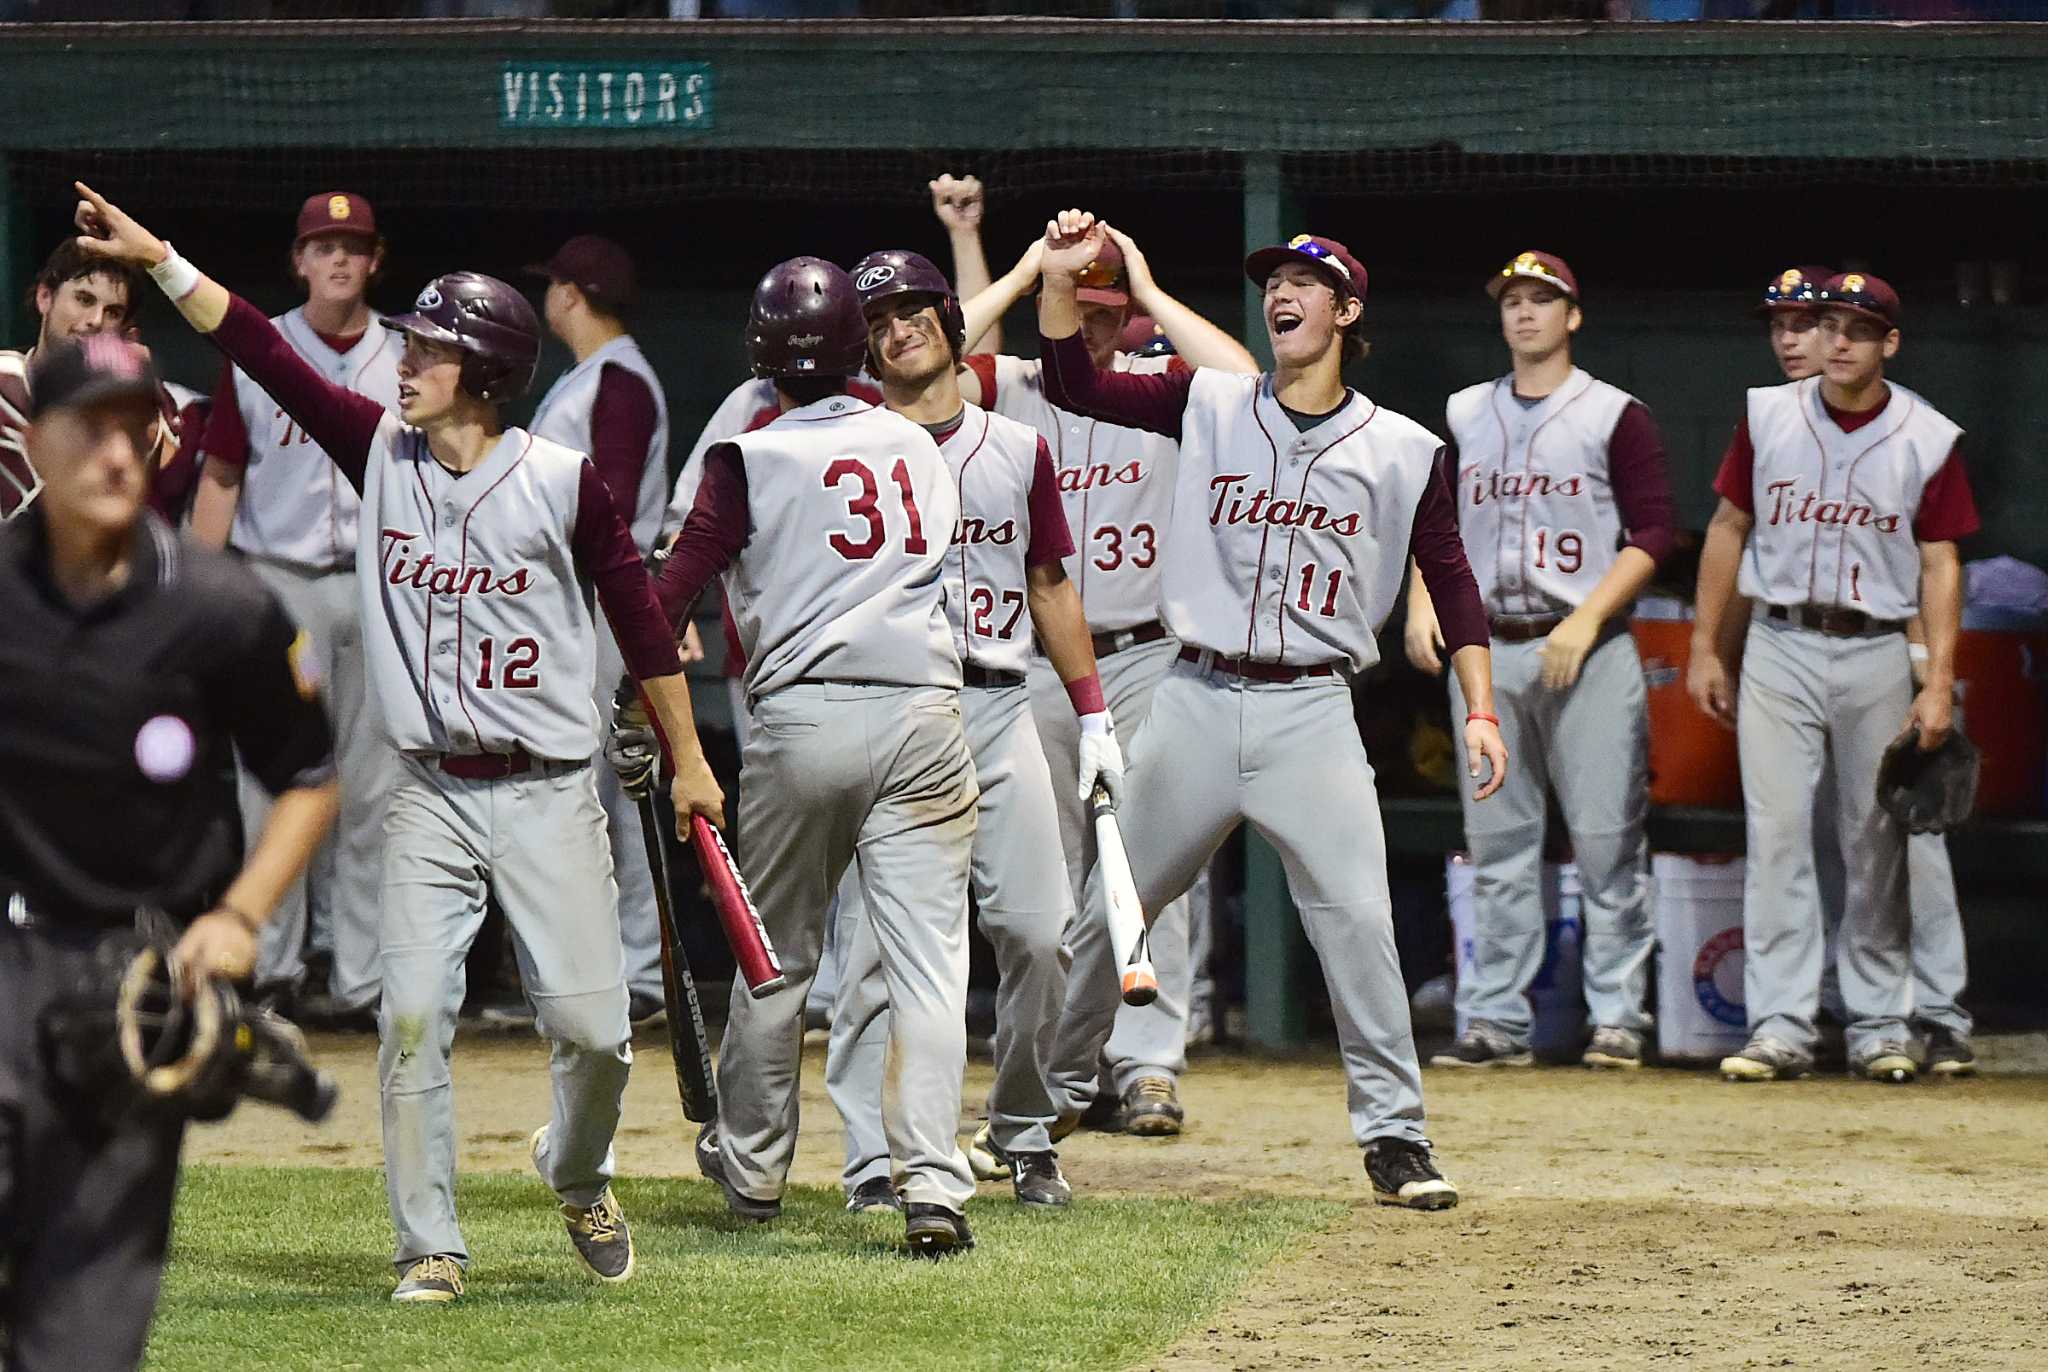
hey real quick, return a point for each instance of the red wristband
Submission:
(1086, 693)
(1494, 720)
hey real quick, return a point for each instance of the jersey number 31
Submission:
(864, 504)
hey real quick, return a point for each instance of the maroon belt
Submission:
(486, 766)
(1522, 630)
(1116, 640)
(1255, 671)
(971, 675)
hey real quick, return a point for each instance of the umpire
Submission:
(130, 662)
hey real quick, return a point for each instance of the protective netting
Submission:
(541, 115)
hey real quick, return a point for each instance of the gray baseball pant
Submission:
(1807, 697)
(1149, 1040)
(536, 840)
(1216, 751)
(1020, 890)
(833, 770)
(338, 897)
(1591, 743)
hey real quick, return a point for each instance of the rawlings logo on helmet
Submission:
(873, 277)
(430, 299)
(806, 340)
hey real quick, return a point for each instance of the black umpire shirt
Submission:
(117, 786)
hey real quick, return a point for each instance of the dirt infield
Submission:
(1662, 1220)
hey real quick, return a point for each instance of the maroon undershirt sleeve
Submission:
(983, 365)
(227, 438)
(1440, 557)
(605, 552)
(621, 426)
(1051, 539)
(713, 535)
(343, 423)
(1736, 481)
(1152, 401)
(1948, 509)
(1641, 478)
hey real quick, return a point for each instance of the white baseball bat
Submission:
(1127, 933)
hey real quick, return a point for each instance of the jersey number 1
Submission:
(865, 505)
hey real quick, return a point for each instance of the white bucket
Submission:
(1557, 999)
(1700, 1013)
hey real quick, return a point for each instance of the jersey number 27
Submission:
(864, 504)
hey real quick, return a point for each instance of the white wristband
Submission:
(1916, 653)
(176, 277)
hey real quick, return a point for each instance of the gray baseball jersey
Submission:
(295, 508)
(1535, 505)
(1116, 482)
(996, 462)
(564, 413)
(1835, 510)
(863, 600)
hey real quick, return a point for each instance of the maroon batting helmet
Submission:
(491, 322)
(892, 272)
(806, 321)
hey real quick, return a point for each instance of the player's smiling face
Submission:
(82, 306)
(92, 463)
(1855, 348)
(907, 341)
(1303, 318)
(1796, 342)
(336, 267)
(429, 380)
(1536, 319)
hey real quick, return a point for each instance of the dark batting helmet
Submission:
(884, 275)
(491, 322)
(805, 321)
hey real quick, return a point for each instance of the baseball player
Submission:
(75, 295)
(1116, 481)
(115, 799)
(1842, 496)
(610, 405)
(830, 527)
(1564, 505)
(478, 553)
(1791, 307)
(265, 493)
(1297, 504)
(1004, 581)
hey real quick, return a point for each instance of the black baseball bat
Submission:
(688, 1042)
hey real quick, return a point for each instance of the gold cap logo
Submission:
(1853, 281)
(337, 207)
(1790, 279)
(1298, 240)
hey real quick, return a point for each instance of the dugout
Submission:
(1675, 165)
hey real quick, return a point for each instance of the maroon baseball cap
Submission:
(1101, 282)
(1327, 255)
(1546, 267)
(335, 212)
(1863, 294)
(1795, 288)
(598, 267)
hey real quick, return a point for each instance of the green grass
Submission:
(288, 1268)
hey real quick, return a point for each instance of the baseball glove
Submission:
(1928, 791)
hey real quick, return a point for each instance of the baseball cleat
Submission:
(1403, 1173)
(1949, 1053)
(988, 1162)
(1483, 1045)
(873, 1196)
(712, 1164)
(1887, 1062)
(1764, 1058)
(1038, 1180)
(1614, 1048)
(1152, 1108)
(435, 1280)
(601, 1236)
(933, 1231)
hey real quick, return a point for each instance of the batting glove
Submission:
(1101, 759)
(631, 747)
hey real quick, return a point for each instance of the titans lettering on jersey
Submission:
(1010, 520)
